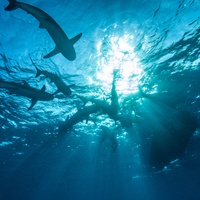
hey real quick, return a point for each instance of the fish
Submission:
(170, 141)
(60, 84)
(109, 108)
(108, 136)
(27, 91)
(80, 115)
(64, 45)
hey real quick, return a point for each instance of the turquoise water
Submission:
(153, 46)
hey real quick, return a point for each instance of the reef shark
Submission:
(79, 116)
(27, 91)
(60, 84)
(64, 45)
(112, 108)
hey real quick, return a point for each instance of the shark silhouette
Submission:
(27, 91)
(60, 84)
(64, 45)
(79, 116)
(112, 108)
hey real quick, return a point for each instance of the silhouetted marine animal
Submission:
(64, 45)
(100, 106)
(112, 108)
(27, 91)
(79, 116)
(108, 135)
(60, 84)
(170, 141)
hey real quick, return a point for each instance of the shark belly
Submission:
(62, 42)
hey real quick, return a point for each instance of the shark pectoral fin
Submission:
(32, 104)
(76, 38)
(52, 53)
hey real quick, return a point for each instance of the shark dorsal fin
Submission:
(25, 83)
(43, 88)
(76, 38)
(34, 101)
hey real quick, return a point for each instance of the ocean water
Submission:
(153, 46)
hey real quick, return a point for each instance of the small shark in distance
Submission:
(111, 109)
(27, 91)
(108, 135)
(60, 84)
(64, 45)
(79, 116)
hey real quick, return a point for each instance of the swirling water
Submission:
(154, 44)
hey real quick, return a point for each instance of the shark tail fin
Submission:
(12, 5)
(76, 38)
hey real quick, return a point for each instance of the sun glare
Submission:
(116, 53)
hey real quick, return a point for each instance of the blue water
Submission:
(153, 45)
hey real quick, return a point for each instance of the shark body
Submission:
(64, 45)
(60, 84)
(27, 91)
(79, 116)
(110, 109)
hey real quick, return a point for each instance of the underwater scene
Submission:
(99, 100)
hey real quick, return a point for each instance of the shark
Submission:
(170, 141)
(27, 91)
(79, 116)
(108, 136)
(110, 108)
(64, 45)
(60, 84)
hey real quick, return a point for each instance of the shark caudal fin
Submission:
(12, 5)
(75, 39)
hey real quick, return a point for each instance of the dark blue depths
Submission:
(105, 134)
